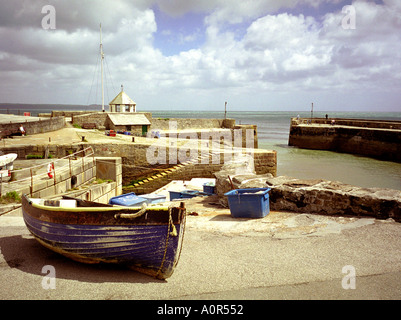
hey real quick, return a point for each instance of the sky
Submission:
(265, 55)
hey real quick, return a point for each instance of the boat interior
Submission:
(67, 202)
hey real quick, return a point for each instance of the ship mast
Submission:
(102, 58)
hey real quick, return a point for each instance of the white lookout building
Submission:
(122, 103)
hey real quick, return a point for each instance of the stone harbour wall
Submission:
(263, 162)
(380, 140)
(185, 123)
(363, 123)
(57, 151)
(98, 118)
(34, 127)
(134, 157)
(73, 178)
(42, 186)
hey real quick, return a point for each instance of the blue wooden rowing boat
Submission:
(147, 239)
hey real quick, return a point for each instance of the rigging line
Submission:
(97, 88)
(93, 80)
(106, 82)
(111, 78)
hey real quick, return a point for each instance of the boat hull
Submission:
(151, 247)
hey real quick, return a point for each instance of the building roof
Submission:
(128, 119)
(122, 98)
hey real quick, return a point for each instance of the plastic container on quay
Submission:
(249, 203)
(208, 187)
(128, 200)
(175, 195)
(186, 194)
(192, 193)
(153, 198)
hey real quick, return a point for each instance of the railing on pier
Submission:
(362, 123)
(58, 167)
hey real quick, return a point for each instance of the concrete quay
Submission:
(281, 256)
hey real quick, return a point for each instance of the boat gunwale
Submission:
(94, 209)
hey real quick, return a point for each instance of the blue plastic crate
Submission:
(174, 195)
(208, 188)
(128, 200)
(192, 193)
(186, 194)
(153, 198)
(249, 203)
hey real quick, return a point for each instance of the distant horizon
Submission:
(93, 107)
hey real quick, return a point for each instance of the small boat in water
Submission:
(148, 239)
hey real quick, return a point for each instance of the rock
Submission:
(241, 165)
(299, 183)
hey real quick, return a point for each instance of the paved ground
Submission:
(282, 256)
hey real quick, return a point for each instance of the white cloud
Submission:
(273, 55)
(367, 53)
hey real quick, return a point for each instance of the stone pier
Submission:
(373, 138)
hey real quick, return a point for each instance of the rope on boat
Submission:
(170, 222)
(182, 230)
(132, 215)
(173, 233)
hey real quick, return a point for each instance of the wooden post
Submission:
(231, 182)
(31, 183)
(54, 178)
(47, 151)
(93, 165)
(83, 163)
(225, 110)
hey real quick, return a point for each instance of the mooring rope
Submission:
(170, 222)
(132, 215)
